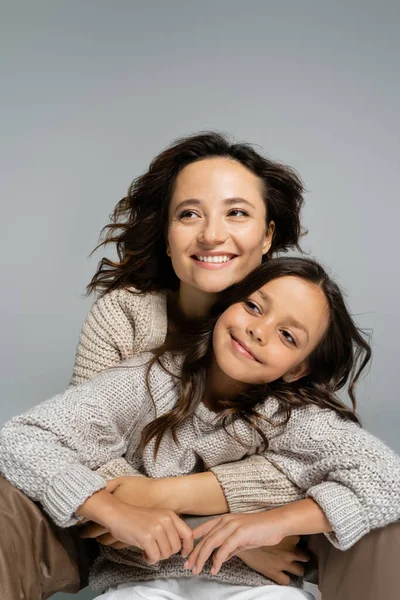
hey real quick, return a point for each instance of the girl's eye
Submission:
(252, 306)
(288, 337)
(238, 212)
(187, 214)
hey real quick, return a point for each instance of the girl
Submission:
(260, 376)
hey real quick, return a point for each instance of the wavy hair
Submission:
(139, 222)
(339, 359)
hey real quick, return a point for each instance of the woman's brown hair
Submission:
(338, 360)
(139, 221)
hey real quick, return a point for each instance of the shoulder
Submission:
(136, 319)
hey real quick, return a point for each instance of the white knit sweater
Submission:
(52, 452)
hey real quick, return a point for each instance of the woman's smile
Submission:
(214, 260)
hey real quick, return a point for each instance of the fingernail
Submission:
(194, 570)
(186, 565)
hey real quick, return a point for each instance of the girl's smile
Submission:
(271, 334)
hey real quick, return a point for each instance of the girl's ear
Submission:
(297, 373)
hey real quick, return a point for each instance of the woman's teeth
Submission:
(214, 259)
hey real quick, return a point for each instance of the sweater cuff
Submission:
(344, 512)
(254, 484)
(67, 491)
(118, 467)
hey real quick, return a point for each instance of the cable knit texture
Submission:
(52, 452)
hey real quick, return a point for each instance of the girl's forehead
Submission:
(296, 299)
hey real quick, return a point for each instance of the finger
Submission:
(296, 568)
(151, 551)
(209, 543)
(185, 535)
(280, 577)
(231, 545)
(163, 544)
(174, 539)
(92, 531)
(120, 546)
(112, 485)
(301, 555)
(205, 528)
(189, 564)
(106, 540)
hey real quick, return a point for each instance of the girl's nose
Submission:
(258, 333)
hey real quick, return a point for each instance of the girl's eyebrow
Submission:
(290, 320)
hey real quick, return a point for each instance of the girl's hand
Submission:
(233, 533)
(159, 533)
(136, 491)
(275, 562)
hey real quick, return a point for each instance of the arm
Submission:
(119, 324)
(352, 475)
(51, 451)
(232, 534)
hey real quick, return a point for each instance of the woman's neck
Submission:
(192, 302)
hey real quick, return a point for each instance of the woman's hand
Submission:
(232, 534)
(160, 533)
(275, 562)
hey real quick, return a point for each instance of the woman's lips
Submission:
(213, 265)
(241, 349)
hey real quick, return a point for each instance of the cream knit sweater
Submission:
(52, 452)
(123, 323)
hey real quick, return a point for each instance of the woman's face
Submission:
(272, 333)
(217, 231)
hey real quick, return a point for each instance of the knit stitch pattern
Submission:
(53, 453)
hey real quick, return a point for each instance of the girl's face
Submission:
(272, 333)
(217, 230)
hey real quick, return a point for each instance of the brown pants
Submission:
(38, 559)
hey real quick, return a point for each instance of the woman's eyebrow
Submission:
(227, 201)
(188, 202)
(231, 201)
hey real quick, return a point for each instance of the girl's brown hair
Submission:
(339, 359)
(139, 221)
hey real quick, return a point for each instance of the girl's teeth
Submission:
(213, 259)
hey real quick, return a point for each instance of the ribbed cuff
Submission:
(255, 484)
(343, 511)
(118, 467)
(68, 490)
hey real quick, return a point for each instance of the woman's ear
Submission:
(167, 248)
(268, 237)
(297, 373)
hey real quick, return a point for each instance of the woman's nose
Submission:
(213, 232)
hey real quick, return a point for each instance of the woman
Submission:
(201, 218)
(260, 375)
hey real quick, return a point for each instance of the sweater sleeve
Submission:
(255, 484)
(353, 476)
(52, 451)
(119, 324)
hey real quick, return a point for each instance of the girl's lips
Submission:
(241, 349)
(212, 266)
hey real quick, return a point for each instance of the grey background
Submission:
(91, 91)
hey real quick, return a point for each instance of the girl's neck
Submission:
(220, 387)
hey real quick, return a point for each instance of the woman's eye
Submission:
(187, 214)
(238, 212)
(252, 306)
(288, 337)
